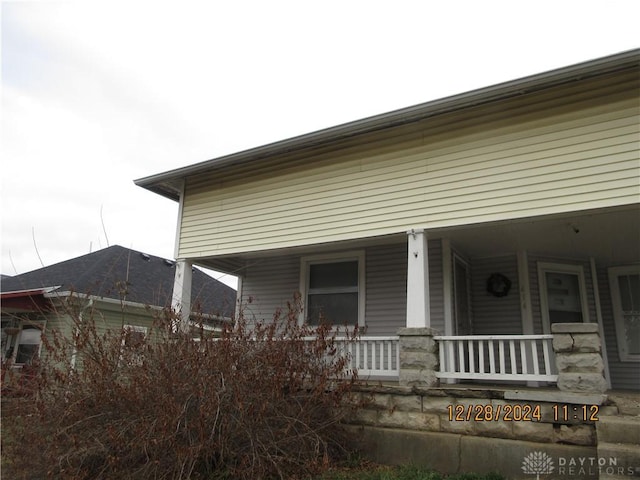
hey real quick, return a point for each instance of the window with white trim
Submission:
(625, 298)
(333, 289)
(29, 342)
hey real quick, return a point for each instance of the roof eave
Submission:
(166, 183)
(28, 292)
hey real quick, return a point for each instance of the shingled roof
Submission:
(124, 274)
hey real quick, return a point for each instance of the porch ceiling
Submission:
(610, 236)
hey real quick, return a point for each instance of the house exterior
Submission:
(488, 216)
(117, 287)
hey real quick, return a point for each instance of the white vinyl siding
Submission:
(268, 284)
(386, 297)
(386, 269)
(544, 153)
(495, 315)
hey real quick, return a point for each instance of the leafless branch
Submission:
(35, 245)
(103, 227)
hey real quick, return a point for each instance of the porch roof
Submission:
(610, 236)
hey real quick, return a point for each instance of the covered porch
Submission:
(488, 294)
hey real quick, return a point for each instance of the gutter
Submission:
(128, 303)
(165, 184)
(28, 293)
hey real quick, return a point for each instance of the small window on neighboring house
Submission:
(28, 346)
(333, 288)
(625, 298)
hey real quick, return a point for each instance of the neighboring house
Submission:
(497, 212)
(116, 286)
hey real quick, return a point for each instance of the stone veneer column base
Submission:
(578, 353)
(419, 360)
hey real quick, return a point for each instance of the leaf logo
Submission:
(537, 463)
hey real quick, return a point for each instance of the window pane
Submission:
(28, 344)
(339, 274)
(629, 292)
(333, 308)
(26, 353)
(30, 335)
(630, 302)
(632, 333)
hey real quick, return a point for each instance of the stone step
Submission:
(620, 461)
(619, 429)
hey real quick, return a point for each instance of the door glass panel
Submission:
(563, 296)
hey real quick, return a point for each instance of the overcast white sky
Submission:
(98, 93)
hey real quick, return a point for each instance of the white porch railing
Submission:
(470, 357)
(497, 357)
(373, 356)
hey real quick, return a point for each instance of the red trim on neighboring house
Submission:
(25, 300)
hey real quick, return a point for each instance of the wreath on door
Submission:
(498, 285)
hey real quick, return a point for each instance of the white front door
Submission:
(563, 297)
(461, 296)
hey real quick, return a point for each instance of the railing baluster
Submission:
(451, 356)
(472, 360)
(461, 361)
(365, 348)
(375, 355)
(375, 346)
(502, 359)
(547, 357)
(492, 359)
(481, 355)
(523, 357)
(352, 359)
(396, 356)
(512, 356)
(534, 354)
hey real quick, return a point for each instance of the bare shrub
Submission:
(258, 402)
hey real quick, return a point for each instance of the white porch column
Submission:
(418, 312)
(181, 299)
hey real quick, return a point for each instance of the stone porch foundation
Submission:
(455, 429)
